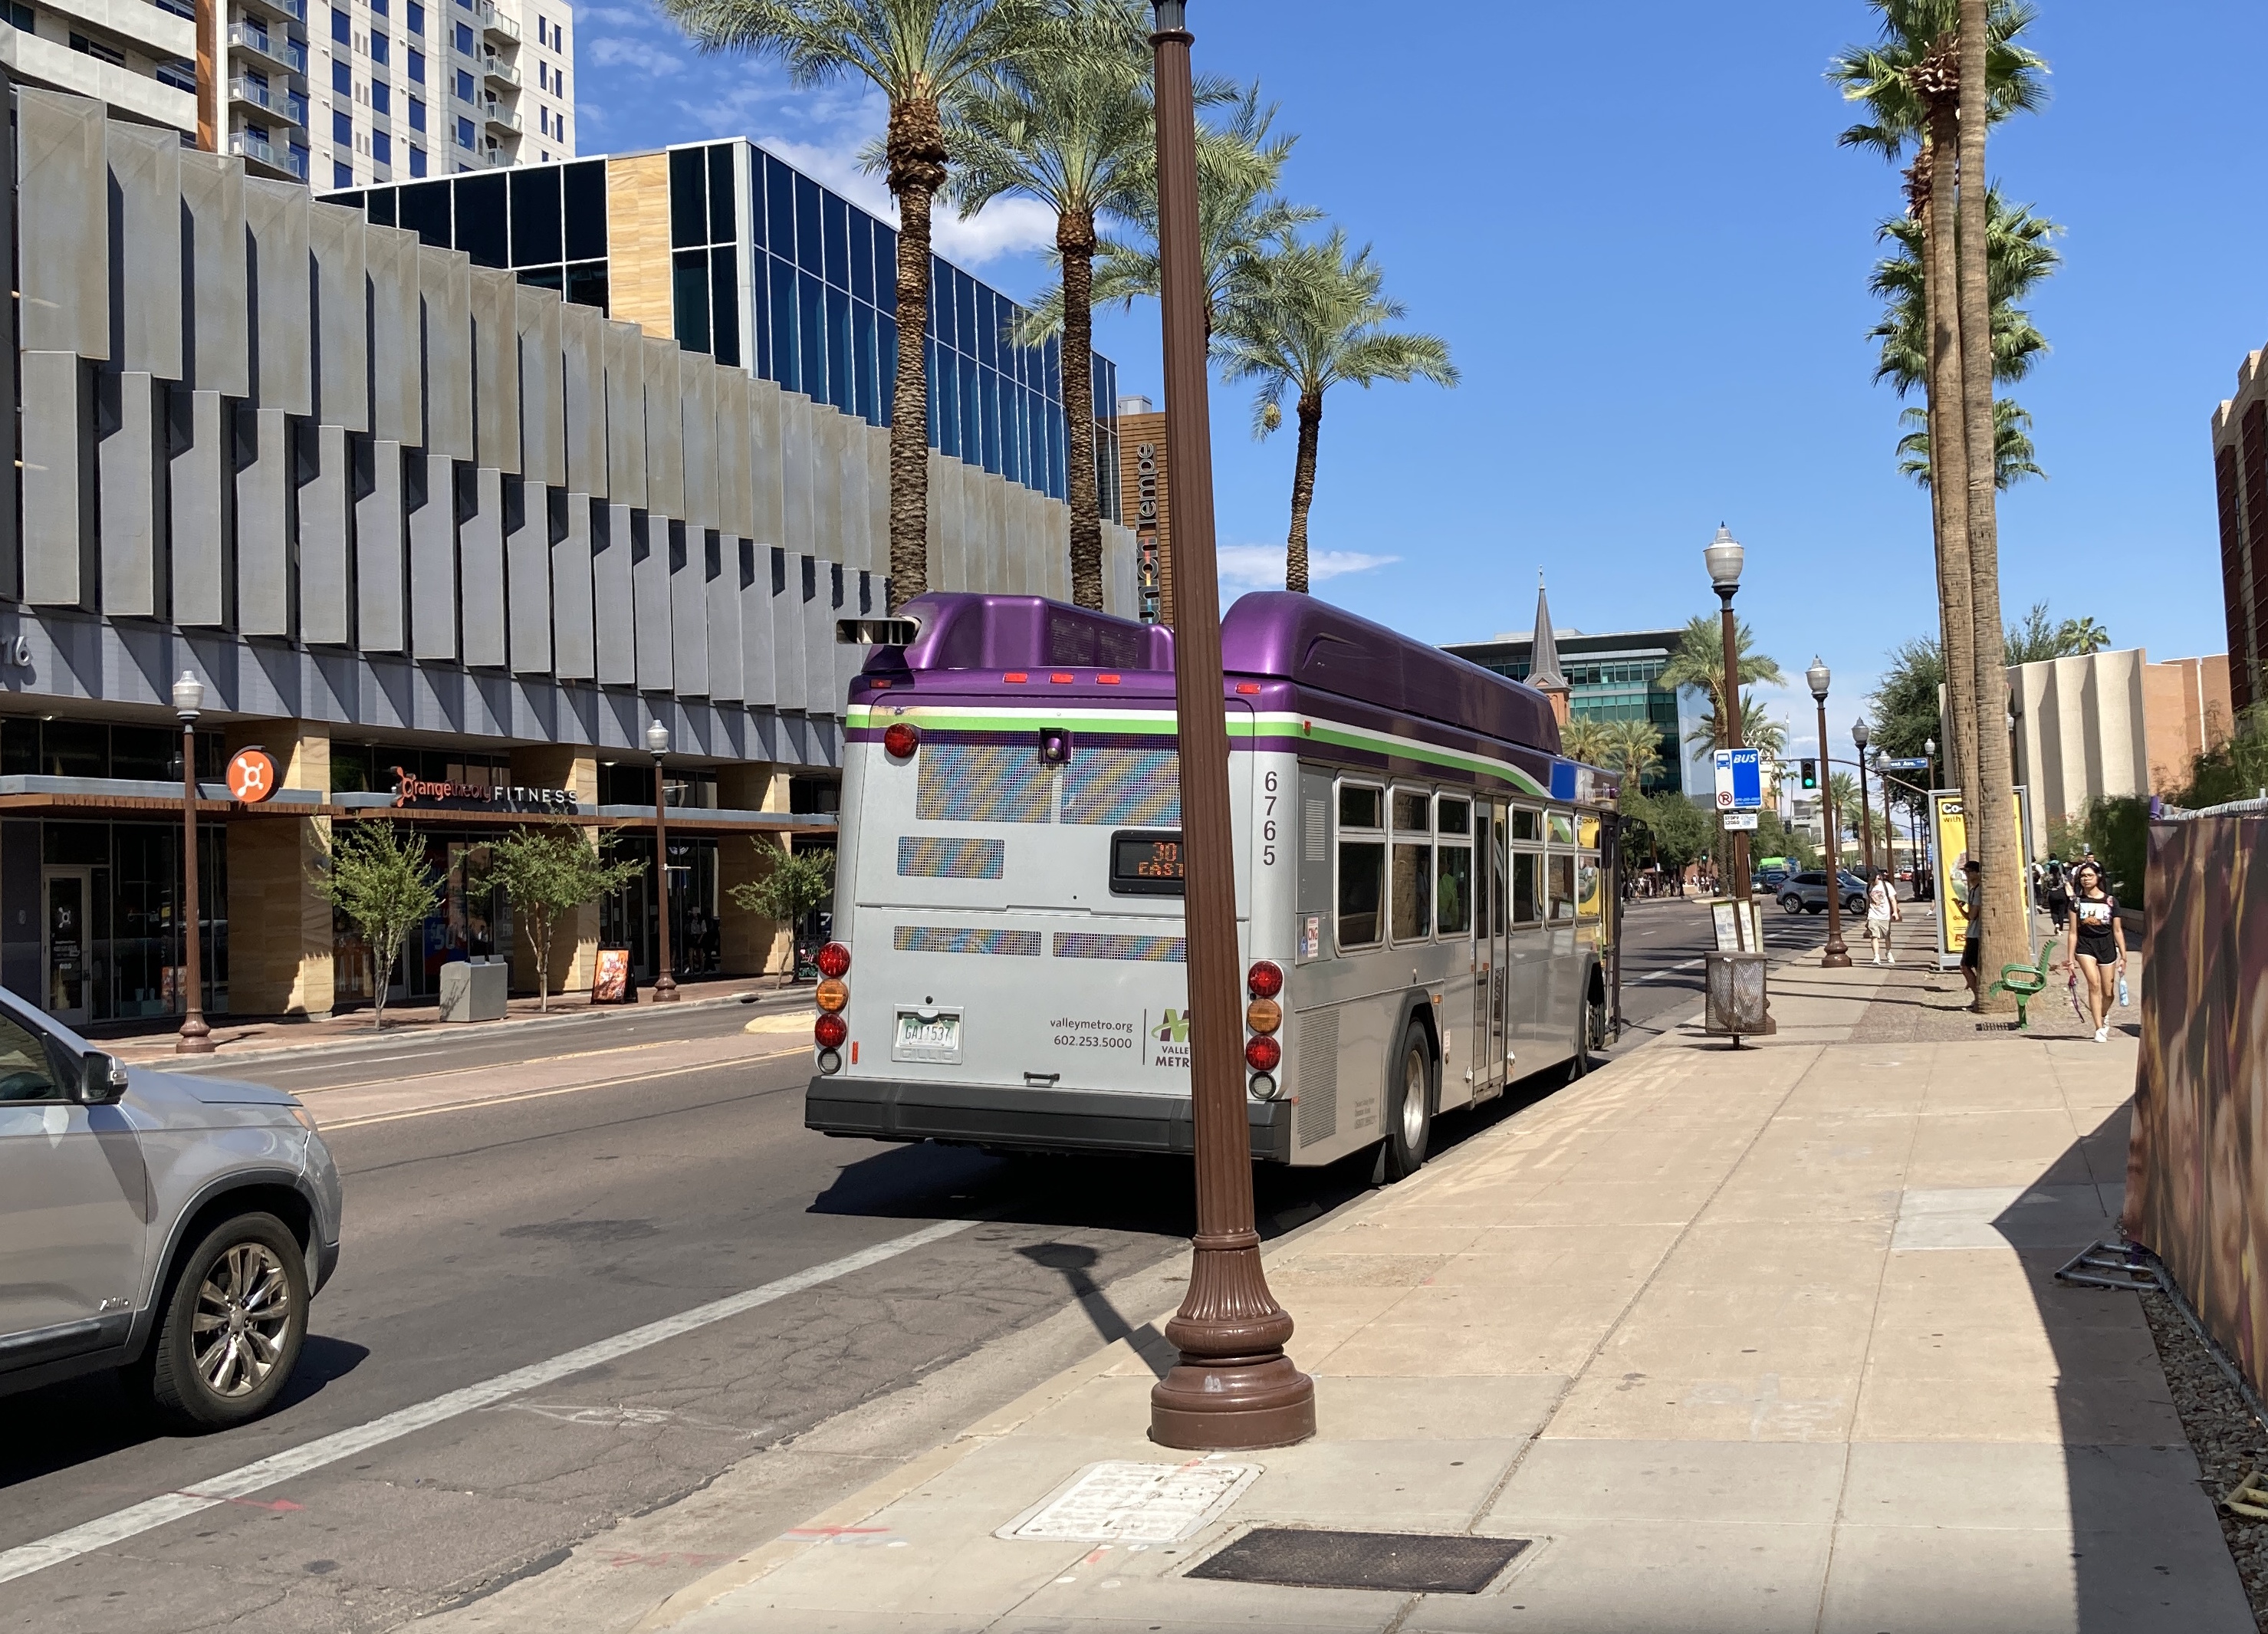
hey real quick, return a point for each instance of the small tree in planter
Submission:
(795, 883)
(547, 873)
(377, 875)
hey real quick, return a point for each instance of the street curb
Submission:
(225, 1058)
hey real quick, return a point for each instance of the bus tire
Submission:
(1590, 1029)
(1408, 1107)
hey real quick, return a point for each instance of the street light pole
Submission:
(1837, 957)
(1234, 1385)
(665, 984)
(1725, 557)
(1866, 805)
(195, 1037)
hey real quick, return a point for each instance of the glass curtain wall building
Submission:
(763, 268)
(1610, 678)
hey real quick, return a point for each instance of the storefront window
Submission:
(106, 939)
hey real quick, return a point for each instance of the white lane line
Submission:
(475, 1103)
(237, 1483)
(1691, 964)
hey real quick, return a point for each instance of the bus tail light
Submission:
(831, 995)
(901, 738)
(830, 1032)
(1265, 979)
(835, 962)
(1262, 1053)
(1263, 1015)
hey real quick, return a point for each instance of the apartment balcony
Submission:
(276, 159)
(268, 48)
(495, 68)
(276, 103)
(295, 11)
(500, 119)
(495, 23)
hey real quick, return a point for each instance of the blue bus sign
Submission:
(1740, 780)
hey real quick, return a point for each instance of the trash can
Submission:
(473, 990)
(1737, 1002)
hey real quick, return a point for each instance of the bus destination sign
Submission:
(1145, 863)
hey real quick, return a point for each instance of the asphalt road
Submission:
(500, 1236)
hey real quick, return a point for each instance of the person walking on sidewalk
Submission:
(1881, 914)
(2058, 893)
(1970, 898)
(2102, 950)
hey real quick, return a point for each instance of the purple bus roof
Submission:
(1271, 634)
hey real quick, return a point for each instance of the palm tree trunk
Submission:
(1990, 814)
(1948, 445)
(1075, 243)
(1303, 491)
(916, 154)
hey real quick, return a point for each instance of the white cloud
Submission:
(1005, 227)
(613, 51)
(1261, 567)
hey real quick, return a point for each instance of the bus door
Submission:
(1489, 976)
(1499, 943)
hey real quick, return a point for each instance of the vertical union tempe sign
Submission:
(1145, 525)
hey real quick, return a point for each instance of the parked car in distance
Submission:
(169, 1226)
(1770, 876)
(1807, 893)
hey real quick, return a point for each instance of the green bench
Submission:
(2024, 983)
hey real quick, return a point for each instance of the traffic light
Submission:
(1811, 773)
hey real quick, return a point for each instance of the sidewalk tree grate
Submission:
(1405, 1562)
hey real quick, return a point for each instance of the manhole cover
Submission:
(1403, 1562)
(1120, 1500)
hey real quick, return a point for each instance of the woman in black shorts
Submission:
(2102, 948)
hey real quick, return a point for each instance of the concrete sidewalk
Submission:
(1742, 1342)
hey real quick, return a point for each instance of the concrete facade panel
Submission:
(381, 543)
(217, 351)
(337, 242)
(63, 264)
(326, 518)
(276, 216)
(611, 603)
(445, 288)
(527, 509)
(203, 478)
(264, 492)
(145, 180)
(481, 599)
(133, 430)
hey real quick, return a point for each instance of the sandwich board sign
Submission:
(1740, 780)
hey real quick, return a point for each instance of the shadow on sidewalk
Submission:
(1074, 1262)
(2133, 1499)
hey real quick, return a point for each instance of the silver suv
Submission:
(168, 1225)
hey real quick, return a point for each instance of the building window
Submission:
(417, 115)
(21, 17)
(100, 52)
(342, 174)
(464, 39)
(181, 75)
(341, 127)
(417, 161)
(465, 87)
(341, 79)
(465, 135)
(417, 19)
(381, 147)
(380, 47)
(381, 97)
(417, 66)
(341, 26)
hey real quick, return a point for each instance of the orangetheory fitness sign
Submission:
(412, 792)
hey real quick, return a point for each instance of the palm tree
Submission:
(2013, 453)
(1080, 136)
(1909, 82)
(2020, 253)
(1758, 729)
(1586, 739)
(1315, 319)
(1844, 790)
(1633, 748)
(1698, 659)
(924, 56)
(2081, 635)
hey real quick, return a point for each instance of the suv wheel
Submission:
(1791, 903)
(230, 1334)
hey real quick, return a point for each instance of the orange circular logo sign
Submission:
(251, 776)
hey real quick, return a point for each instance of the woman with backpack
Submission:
(2101, 947)
(2059, 884)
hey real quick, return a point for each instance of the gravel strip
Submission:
(2228, 1440)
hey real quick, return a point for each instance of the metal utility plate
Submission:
(1119, 1500)
(1404, 1562)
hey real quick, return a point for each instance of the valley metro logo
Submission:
(1175, 1030)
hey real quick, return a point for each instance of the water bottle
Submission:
(2122, 992)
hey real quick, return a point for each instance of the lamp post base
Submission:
(1232, 1403)
(665, 991)
(194, 1038)
(1838, 956)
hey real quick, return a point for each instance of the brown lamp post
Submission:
(1866, 804)
(1234, 1385)
(1725, 557)
(1838, 957)
(195, 1037)
(665, 984)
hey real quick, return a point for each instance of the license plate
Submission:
(927, 1035)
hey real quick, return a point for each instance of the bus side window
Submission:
(1524, 866)
(1562, 888)
(1527, 825)
(1413, 865)
(1453, 888)
(1362, 865)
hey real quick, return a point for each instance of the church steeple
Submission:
(1544, 656)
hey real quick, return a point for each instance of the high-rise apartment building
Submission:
(401, 89)
(340, 95)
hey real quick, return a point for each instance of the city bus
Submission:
(1424, 891)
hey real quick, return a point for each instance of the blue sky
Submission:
(1651, 270)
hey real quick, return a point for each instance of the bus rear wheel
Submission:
(1409, 1108)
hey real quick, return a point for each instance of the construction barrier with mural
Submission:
(2196, 1168)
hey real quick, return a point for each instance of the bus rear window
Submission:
(1146, 863)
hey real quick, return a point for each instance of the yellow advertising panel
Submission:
(1950, 827)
